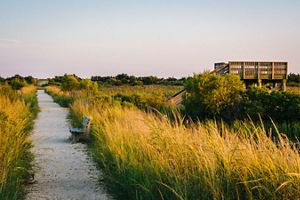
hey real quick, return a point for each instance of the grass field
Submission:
(155, 90)
(143, 97)
(147, 156)
(17, 111)
(294, 90)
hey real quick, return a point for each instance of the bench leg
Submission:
(78, 137)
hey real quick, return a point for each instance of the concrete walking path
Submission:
(63, 170)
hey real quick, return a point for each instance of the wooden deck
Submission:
(255, 70)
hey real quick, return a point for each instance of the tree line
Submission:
(17, 81)
(125, 79)
(293, 79)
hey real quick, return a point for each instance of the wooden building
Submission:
(252, 72)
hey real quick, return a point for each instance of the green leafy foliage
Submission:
(279, 106)
(211, 96)
(17, 82)
(224, 97)
(294, 78)
(69, 83)
(87, 84)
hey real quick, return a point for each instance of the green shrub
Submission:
(70, 83)
(224, 97)
(90, 86)
(279, 106)
(213, 96)
(17, 84)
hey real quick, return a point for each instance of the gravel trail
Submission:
(63, 170)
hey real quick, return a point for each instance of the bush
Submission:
(279, 106)
(294, 78)
(213, 96)
(70, 83)
(224, 97)
(17, 84)
(90, 86)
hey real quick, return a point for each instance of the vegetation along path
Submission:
(64, 170)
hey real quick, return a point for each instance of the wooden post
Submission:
(259, 81)
(284, 85)
(258, 71)
(244, 71)
(273, 71)
(287, 67)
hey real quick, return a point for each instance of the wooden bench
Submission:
(81, 133)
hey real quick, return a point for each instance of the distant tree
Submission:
(137, 82)
(58, 79)
(17, 83)
(132, 80)
(149, 80)
(279, 106)
(294, 78)
(124, 79)
(88, 85)
(70, 82)
(30, 80)
(17, 76)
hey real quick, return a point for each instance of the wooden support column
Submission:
(258, 71)
(283, 85)
(244, 71)
(259, 81)
(287, 67)
(273, 71)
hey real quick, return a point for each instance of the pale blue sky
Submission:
(165, 38)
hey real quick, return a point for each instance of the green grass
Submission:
(64, 99)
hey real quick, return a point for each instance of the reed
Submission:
(17, 111)
(146, 156)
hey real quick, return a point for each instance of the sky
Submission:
(166, 38)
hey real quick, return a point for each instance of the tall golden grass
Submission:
(144, 97)
(153, 90)
(146, 156)
(15, 123)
